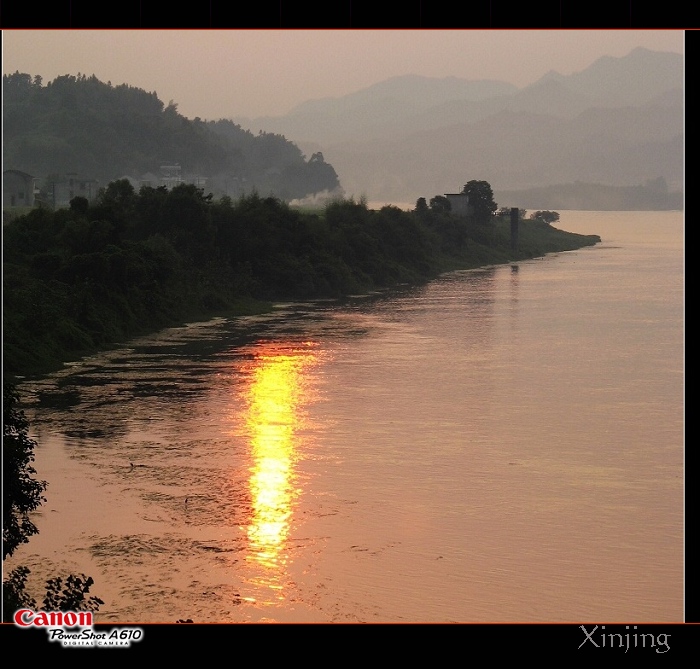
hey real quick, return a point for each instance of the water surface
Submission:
(503, 444)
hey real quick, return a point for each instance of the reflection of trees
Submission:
(480, 287)
(478, 295)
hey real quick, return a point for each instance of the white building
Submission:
(459, 203)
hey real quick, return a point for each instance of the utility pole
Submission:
(514, 228)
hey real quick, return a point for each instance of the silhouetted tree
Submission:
(69, 595)
(546, 216)
(79, 205)
(421, 206)
(440, 203)
(21, 492)
(481, 199)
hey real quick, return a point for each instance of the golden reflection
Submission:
(278, 392)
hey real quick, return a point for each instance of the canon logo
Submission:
(29, 618)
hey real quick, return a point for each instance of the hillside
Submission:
(78, 124)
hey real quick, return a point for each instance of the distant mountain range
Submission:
(619, 122)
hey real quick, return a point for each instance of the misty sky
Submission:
(232, 73)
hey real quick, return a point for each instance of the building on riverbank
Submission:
(18, 189)
(459, 204)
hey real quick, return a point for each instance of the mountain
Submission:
(78, 124)
(633, 79)
(511, 150)
(375, 110)
(619, 121)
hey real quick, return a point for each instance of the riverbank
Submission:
(82, 280)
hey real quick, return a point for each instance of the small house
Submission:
(170, 175)
(149, 180)
(67, 186)
(18, 189)
(459, 204)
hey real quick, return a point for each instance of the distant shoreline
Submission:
(89, 278)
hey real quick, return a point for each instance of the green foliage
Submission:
(104, 132)
(21, 492)
(546, 216)
(481, 199)
(421, 206)
(439, 204)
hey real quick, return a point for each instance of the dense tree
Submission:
(79, 206)
(78, 279)
(102, 132)
(440, 204)
(21, 492)
(481, 199)
(421, 206)
(546, 216)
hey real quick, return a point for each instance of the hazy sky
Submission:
(225, 73)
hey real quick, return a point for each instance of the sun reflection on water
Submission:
(279, 390)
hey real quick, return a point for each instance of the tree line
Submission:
(82, 278)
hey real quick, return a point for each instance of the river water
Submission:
(500, 445)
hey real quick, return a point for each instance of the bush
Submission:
(22, 494)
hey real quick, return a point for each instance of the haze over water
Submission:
(503, 444)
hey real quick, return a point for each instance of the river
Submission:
(500, 445)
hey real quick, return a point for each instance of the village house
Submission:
(149, 180)
(459, 203)
(63, 188)
(196, 180)
(18, 189)
(170, 175)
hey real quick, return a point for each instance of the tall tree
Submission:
(481, 199)
(546, 216)
(440, 203)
